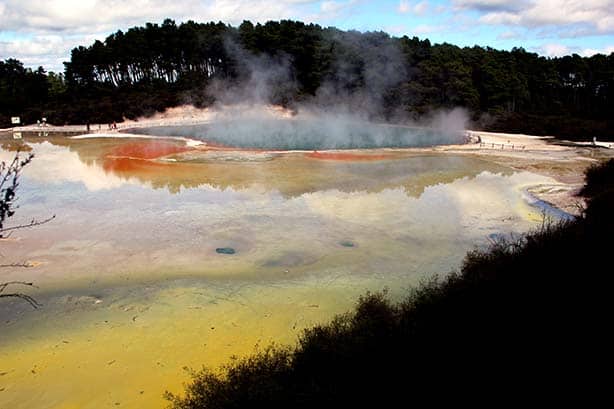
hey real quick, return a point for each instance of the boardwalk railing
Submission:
(488, 145)
(50, 128)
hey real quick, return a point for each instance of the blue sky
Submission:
(40, 32)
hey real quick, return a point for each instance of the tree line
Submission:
(149, 68)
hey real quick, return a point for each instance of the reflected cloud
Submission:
(465, 202)
(159, 218)
(55, 164)
(112, 163)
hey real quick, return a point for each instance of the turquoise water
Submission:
(302, 134)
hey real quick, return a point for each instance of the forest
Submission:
(150, 68)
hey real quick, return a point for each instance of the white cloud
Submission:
(488, 5)
(105, 15)
(396, 30)
(46, 31)
(419, 8)
(40, 32)
(596, 15)
(333, 8)
(47, 50)
(554, 50)
(427, 29)
(403, 7)
(587, 52)
(508, 35)
(503, 17)
(330, 11)
(559, 50)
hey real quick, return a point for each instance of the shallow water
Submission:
(134, 286)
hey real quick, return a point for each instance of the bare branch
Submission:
(9, 169)
(27, 225)
(9, 182)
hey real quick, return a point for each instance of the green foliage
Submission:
(520, 321)
(57, 85)
(159, 65)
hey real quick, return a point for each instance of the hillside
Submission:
(147, 69)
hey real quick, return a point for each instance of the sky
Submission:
(42, 32)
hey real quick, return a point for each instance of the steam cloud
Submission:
(259, 127)
(337, 117)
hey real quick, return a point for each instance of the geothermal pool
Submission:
(136, 280)
(306, 134)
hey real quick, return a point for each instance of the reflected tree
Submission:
(9, 183)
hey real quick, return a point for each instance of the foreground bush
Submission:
(599, 179)
(521, 322)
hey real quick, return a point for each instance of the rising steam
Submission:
(334, 118)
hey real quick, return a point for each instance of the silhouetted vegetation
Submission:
(522, 321)
(9, 184)
(23, 92)
(147, 69)
(599, 194)
(599, 180)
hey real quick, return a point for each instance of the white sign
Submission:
(16, 135)
(15, 120)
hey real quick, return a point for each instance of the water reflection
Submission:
(107, 163)
(150, 217)
(134, 284)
